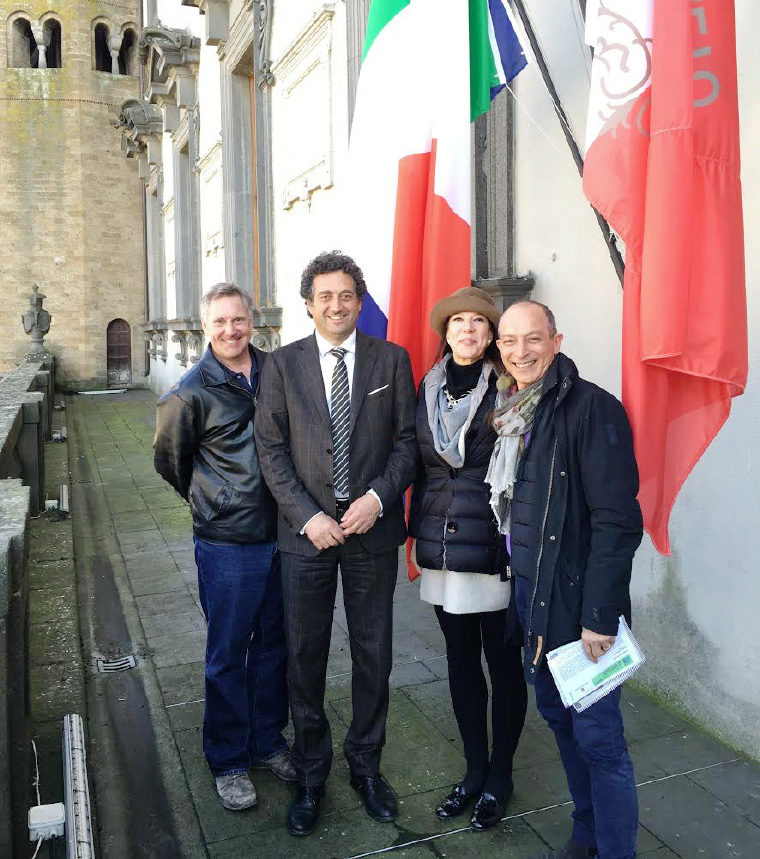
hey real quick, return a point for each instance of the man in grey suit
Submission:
(335, 434)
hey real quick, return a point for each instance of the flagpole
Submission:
(615, 256)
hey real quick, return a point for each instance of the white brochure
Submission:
(582, 682)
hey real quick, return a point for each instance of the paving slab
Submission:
(158, 625)
(154, 605)
(178, 649)
(181, 683)
(694, 823)
(737, 784)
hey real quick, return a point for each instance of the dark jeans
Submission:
(309, 586)
(467, 637)
(246, 694)
(597, 764)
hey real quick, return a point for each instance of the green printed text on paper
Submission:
(613, 669)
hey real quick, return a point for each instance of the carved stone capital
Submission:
(507, 289)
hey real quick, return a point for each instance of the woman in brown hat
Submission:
(457, 550)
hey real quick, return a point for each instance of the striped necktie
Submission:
(340, 417)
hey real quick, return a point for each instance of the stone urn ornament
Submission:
(36, 322)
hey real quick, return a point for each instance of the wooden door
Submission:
(119, 353)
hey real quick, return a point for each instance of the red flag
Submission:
(663, 168)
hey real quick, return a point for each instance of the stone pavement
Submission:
(153, 794)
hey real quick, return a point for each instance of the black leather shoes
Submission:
(489, 810)
(455, 803)
(303, 812)
(379, 801)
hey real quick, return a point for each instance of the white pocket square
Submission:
(377, 390)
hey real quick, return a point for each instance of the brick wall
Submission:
(70, 203)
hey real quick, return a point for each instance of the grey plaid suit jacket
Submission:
(294, 438)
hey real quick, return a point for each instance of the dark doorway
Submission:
(119, 352)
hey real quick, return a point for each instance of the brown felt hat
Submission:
(469, 298)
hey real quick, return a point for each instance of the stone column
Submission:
(39, 36)
(114, 46)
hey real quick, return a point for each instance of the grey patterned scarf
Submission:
(512, 418)
(449, 423)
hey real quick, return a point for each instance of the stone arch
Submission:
(52, 37)
(21, 42)
(118, 352)
(128, 51)
(101, 54)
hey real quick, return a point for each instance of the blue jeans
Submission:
(246, 694)
(595, 757)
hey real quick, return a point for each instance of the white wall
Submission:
(306, 228)
(696, 610)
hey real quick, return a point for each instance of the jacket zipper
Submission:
(445, 526)
(541, 547)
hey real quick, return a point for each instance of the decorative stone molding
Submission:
(264, 74)
(305, 109)
(160, 341)
(266, 339)
(194, 346)
(140, 124)
(508, 289)
(175, 67)
(217, 15)
(213, 244)
(180, 337)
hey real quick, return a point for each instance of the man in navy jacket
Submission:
(574, 528)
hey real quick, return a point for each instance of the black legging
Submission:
(467, 635)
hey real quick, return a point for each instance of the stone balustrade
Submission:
(26, 403)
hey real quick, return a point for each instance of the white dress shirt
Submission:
(327, 364)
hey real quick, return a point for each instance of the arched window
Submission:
(102, 54)
(23, 53)
(128, 53)
(52, 33)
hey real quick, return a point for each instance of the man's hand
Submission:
(596, 645)
(361, 515)
(324, 531)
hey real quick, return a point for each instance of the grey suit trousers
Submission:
(309, 588)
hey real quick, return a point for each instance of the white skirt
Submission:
(462, 593)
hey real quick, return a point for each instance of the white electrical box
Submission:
(46, 821)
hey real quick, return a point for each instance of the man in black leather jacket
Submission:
(574, 527)
(204, 447)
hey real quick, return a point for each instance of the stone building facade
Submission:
(70, 205)
(241, 134)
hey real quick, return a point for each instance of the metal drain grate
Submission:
(108, 666)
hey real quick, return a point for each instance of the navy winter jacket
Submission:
(576, 523)
(450, 515)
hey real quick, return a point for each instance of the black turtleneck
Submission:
(462, 378)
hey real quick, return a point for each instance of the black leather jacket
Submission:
(204, 448)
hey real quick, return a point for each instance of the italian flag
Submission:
(429, 69)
